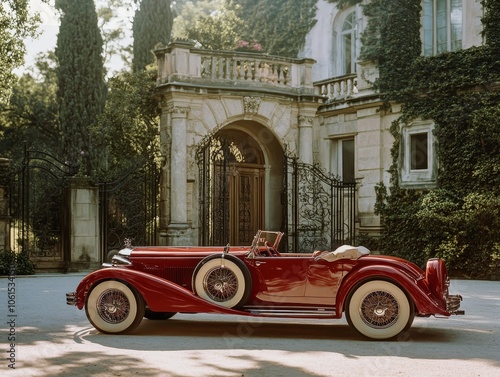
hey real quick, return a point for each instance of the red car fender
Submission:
(159, 294)
(424, 300)
(436, 276)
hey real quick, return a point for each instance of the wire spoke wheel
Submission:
(220, 284)
(379, 309)
(113, 306)
(222, 280)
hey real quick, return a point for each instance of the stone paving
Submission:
(42, 336)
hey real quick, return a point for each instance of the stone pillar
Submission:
(178, 230)
(4, 210)
(83, 220)
(306, 139)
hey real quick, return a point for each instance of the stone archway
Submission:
(238, 184)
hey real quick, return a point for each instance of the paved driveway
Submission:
(53, 339)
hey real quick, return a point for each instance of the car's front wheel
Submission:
(112, 307)
(379, 309)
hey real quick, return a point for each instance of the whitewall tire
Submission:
(112, 307)
(224, 281)
(379, 309)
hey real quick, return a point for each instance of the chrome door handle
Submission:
(258, 263)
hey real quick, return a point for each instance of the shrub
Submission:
(17, 263)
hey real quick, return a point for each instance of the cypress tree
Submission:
(152, 25)
(80, 74)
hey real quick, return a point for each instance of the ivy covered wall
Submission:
(459, 220)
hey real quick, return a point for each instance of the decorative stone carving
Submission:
(305, 121)
(180, 110)
(251, 104)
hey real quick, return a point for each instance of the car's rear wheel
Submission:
(113, 307)
(222, 280)
(379, 309)
(149, 314)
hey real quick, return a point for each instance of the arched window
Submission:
(348, 45)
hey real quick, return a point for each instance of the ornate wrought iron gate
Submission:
(213, 158)
(128, 209)
(36, 190)
(318, 209)
(231, 172)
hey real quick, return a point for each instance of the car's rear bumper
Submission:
(453, 304)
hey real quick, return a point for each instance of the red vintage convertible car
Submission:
(380, 295)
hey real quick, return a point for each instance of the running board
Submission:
(293, 313)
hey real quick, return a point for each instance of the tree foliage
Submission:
(218, 30)
(188, 12)
(152, 25)
(128, 128)
(15, 24)
(113, 23)
(280, 26)
(80, 75)
(31, 116)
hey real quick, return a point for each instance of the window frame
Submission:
(431, 45)
(352, 34)
(418, 178)
(338, 52)
(337, 157)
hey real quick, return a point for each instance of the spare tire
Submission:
(223, 279)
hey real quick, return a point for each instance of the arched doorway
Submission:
(232, 188)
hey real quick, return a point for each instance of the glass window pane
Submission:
(348, 45)
(348, 23)
(441, 26)
(348, 160)
(427, 20)
(418, 151)
(456, 25)
(347, 53)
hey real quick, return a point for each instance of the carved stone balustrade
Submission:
(180, 62)
(337, 88)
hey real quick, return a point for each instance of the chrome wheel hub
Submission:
(220, 284)
(379, 309)
(113, 306)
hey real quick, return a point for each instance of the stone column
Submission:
(83, 221)
(306, 139)
(178, 229)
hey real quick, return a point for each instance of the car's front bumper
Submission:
(71, 298)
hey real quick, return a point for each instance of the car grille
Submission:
(178, 275)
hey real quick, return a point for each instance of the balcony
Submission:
(337, 88)
(183, 64)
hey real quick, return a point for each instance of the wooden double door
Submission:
(232, 189)
(246, 204)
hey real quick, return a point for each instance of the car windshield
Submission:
(260, 239)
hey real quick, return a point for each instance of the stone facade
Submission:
(271, 101)
(319, 108)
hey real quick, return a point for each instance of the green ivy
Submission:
(458, 220)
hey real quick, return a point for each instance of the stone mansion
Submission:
(319, 108)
